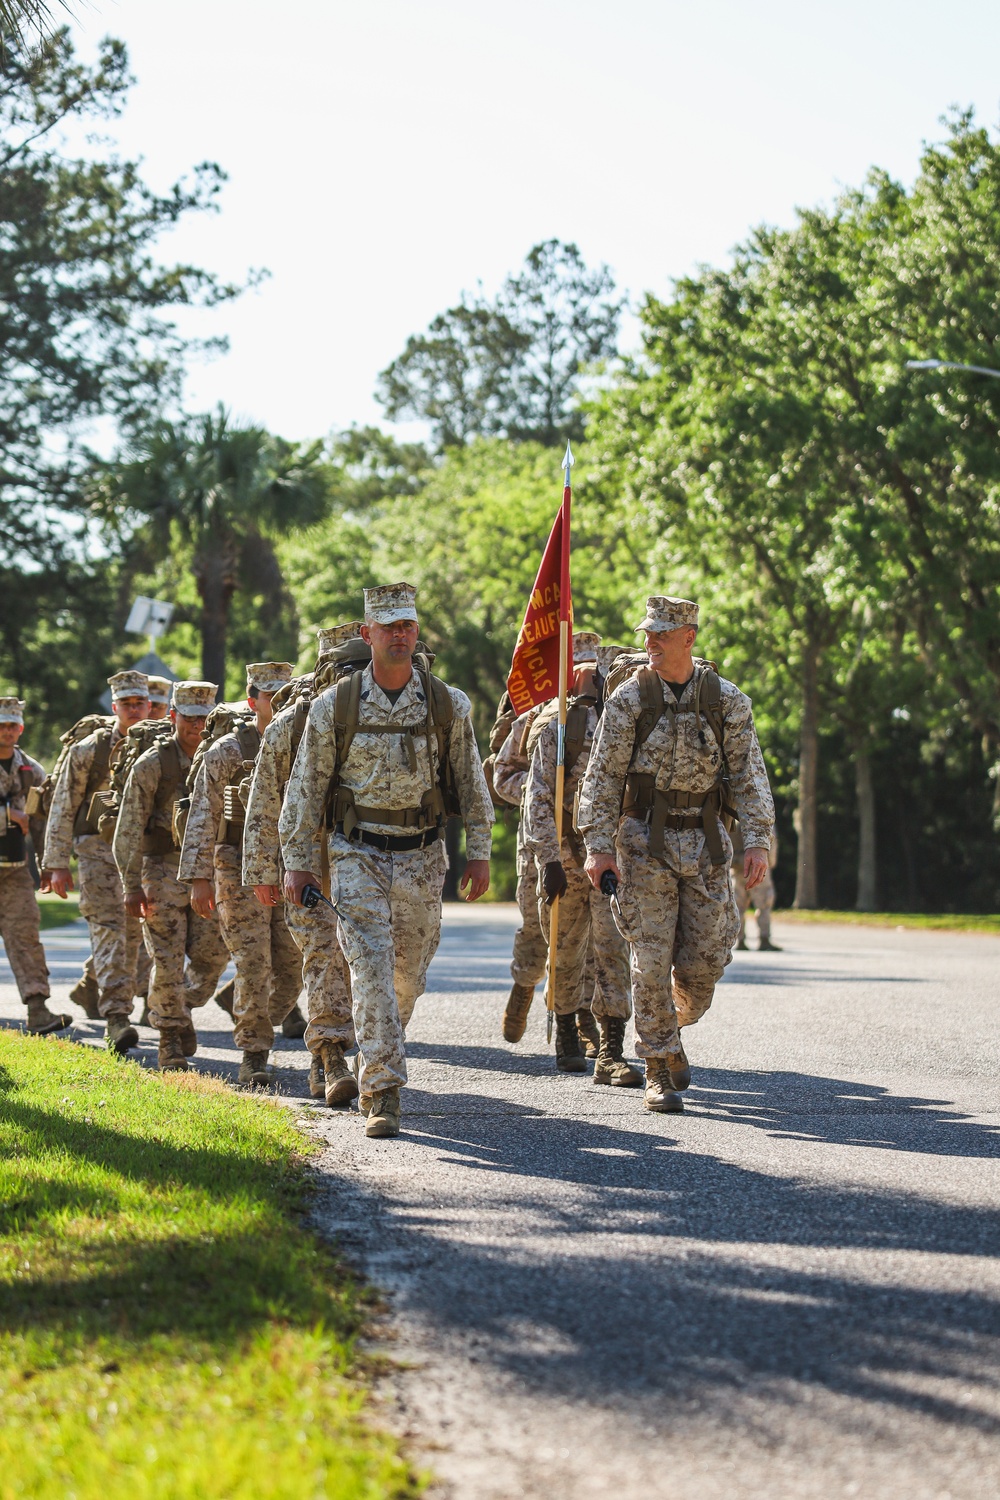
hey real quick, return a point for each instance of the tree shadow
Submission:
(621, 1270)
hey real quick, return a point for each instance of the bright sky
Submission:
(385, 154)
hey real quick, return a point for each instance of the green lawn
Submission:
(56, 913)
(168, 1326)
(937, 922)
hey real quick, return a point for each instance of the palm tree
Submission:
(222, 491)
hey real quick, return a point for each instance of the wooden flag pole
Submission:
(565, 625)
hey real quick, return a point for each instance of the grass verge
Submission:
(938, 922)
(56, 913)
(168, 1326)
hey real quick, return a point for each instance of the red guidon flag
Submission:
(534, 671)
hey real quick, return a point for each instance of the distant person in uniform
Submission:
(761, 898)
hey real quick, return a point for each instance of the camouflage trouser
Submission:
(171, 932)
(325, 976)
(143, 964)
(268, 964)
(115, 939)
(590, 953)
(761, 898)
(530, 945)
(19, 927)
(389, 909)
(679, 914)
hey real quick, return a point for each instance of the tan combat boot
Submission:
(611, 1066)
(189, 1039)
(678, 1068)
(340, 1084)
(569, 1053)
(294, 1025)
(253, 1070)
(170, 1054)
(383, 1113)
(659, 1096)
(121, 1035)
(86, 993)
(225, 996)
(317, 1077)
(590, 1037)
(515, 1016)
(41, 1020)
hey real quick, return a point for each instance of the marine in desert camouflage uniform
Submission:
(531, 949)
(159, 697)
(148, 861)
(584, 914)
(386, 849)
(670, 852)
(19, 919)
(268, 965)
(330, 1032)
(761, 898)
(115, 938)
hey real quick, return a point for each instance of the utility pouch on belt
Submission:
(179, 819)
(673, 809)
(34, 802)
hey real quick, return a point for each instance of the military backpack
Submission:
(135, 742)
(224, 718)
(39, 801)
(675, 809)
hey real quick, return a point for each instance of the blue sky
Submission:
(385, 155)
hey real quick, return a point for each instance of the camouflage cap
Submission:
(329, 640)
(159, 689)
(268, 676)
(11, 711)
(608, 655)
(194, 700)
(585, 644)
(664, 613)
(128, 685)
(391, 602)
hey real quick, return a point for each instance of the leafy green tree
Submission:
(511, 367)
(218, 494)
(83, 331)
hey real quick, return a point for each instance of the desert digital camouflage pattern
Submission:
(268, 965)
(510, 772)
(678, 916)
(324, 969)
(389, 904)
(171, 930)
(19, 919)
(585, 919)
(115, 939)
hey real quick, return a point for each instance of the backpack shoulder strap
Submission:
(300, 714)
(576, 733)
(652, 706)
(346, 713)
(248, 739)
(708, 699)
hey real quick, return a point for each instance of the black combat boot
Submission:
(569, 1052)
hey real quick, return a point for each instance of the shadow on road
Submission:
(668, 1281)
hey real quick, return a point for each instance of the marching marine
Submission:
(584, 914)
(675, 748)
(761, 898)
(386, 756)
(159, 697)
(148, 859)
(268, 966)
(115, 938)
(527, 965)
(330, 1032)
(19, 919)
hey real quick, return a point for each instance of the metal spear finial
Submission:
(568, 461)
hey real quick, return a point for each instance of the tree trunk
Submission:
(214, 575)
(866, 828)
(805, 874)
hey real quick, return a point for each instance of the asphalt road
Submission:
(792, 1290)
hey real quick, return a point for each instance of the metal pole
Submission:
(564, 643)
